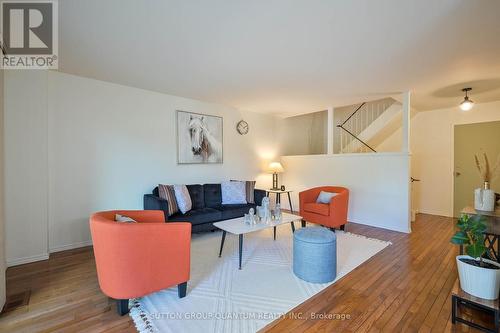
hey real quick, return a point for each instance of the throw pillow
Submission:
(325, 197)
(124, 219)
(183, 199)
(167, 192)
(233, 193)
(249, 188)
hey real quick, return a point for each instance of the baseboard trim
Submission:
(27, 260)
(70, 246)
(45, 256)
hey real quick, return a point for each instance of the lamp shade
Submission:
(276, 167)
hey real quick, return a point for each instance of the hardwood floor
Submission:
(405, 288)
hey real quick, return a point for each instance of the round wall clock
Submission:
(242, 127)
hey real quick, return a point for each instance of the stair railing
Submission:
(356, 124)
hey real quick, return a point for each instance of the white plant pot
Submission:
(478, 281)
(484, 200)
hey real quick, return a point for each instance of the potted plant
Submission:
(478, 276)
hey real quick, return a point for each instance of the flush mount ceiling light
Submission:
(467, 103)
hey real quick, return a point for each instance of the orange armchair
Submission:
(136, 259)
(332, 215)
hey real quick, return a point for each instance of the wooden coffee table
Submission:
(238, 227)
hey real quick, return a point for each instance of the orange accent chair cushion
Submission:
(332, 215)
(136, 259)
(317, 208)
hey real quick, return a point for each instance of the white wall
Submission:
(105, 146)
(378, 184)
(303, 135)
(432, 152)
(2, 217)
(26, 202)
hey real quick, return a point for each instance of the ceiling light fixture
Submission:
(467, 103)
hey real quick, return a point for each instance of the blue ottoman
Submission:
(315, 254)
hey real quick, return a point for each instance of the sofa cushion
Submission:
(249, 188)
(234, 211)
(183, 198)
(213, 195)
(167, 192)
(317, 208)
(198, 216)
(233, 193)
(197, 196)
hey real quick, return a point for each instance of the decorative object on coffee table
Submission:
(478, 276)
(278, 194)
(199, 138)
(484, 198)
(275, 168)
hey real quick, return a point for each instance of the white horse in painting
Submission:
(203, 143)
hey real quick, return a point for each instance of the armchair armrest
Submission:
(136, 259)
(339, 205)
(308, 196)
(153, 202)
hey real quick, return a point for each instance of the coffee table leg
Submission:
(222, 242)
(274, 233)
(241, 247)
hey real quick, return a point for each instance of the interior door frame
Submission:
(452, 153)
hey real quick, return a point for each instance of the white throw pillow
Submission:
(233, 193)
(124, 219)
(183, 199)
(325, 197)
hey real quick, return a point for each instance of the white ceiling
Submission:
(285, 56)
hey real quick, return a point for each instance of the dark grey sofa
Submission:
(207, 206)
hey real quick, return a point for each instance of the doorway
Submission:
(470, 140)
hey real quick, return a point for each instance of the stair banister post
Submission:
(330, 129)
(406, 122)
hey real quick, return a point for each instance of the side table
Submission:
(460, 298)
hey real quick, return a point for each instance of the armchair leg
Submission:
(122, 306)
(342, 227)
(303, 223)
(332, 229)
(181, 289)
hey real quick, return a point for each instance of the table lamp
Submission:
(275, 168)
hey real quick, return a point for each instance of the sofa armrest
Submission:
(152, 202)
(258, 196)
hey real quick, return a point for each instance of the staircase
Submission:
(369, 125)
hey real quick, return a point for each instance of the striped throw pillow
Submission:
(167, 192)
(249, 190)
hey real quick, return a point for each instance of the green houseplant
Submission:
(478, 276)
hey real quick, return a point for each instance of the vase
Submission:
(484, 198)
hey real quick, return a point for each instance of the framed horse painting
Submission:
(199, 138)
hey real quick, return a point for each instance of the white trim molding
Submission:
(71, 246)
(27, 260)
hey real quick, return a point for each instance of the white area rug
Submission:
(221, 298)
